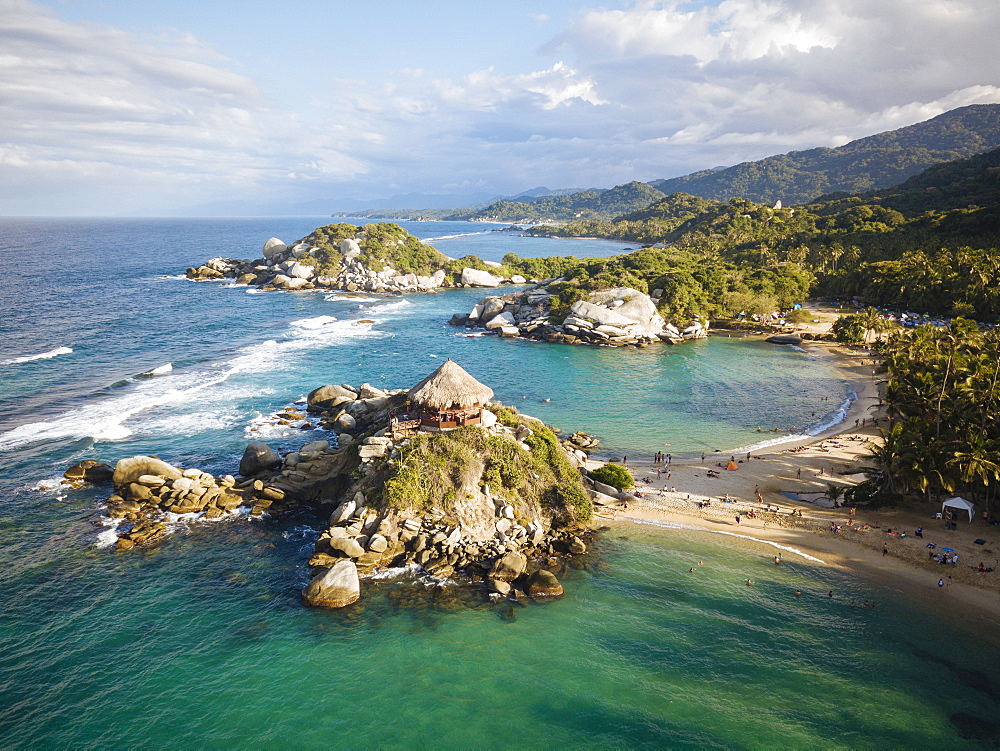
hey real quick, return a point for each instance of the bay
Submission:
(202, 640)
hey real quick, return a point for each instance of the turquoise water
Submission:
(202, 640)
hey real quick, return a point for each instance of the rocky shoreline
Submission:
(499, 542)
(291, 268)
(614, 317)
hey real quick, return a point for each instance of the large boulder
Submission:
(508, 567)
(349, 546)
(499, 321)
(621, 307)
(328, 397)
(544, 583)
(792, 339)
(298, 270)
(131, 469)
(476, 278)
(336, 587)
(89, 470)
(350, 249)
(490, 307)
(274, 247)
(258, 457)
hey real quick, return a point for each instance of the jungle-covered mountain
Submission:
(929, 244)
(874, 162)
(588, 204)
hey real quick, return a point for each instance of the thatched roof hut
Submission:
(450, 388)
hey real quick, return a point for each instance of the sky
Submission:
(115, 107)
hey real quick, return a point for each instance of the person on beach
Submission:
(702, 457)
(885, 551)
(798, 473)
(940, 583)
(737, 518)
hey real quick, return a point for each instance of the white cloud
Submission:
(96, 118)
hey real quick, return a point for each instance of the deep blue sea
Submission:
(107, 351)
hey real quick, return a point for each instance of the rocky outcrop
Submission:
(336, 587)
(495, 542)
(476, 278)
(89, 471)
(294, 268)
(613, 317)
(792, 339)
(257, 457)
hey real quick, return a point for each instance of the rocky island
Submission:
(614, 317)
(379, 258)
(436, 477)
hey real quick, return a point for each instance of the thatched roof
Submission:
(450, 387)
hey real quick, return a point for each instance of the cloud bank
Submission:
(101, 120)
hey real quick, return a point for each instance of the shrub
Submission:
(614, 475)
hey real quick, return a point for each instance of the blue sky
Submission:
(112, 106)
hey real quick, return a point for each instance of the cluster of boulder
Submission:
(360, 538)
(579, 445)
(291, 268)
(614, 317)
(506, 547)
(147, 489)
(348, 410)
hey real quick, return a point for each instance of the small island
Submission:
(436, 477)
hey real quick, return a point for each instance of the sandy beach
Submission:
(805, 468)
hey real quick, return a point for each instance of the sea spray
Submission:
(42, 356)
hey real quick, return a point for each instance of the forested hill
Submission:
(930, 244)
(878, 161)
(588, 204)
(954, 185)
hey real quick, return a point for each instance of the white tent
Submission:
(958, 503)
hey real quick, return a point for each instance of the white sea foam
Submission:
(384, 308)
(116, 417)
(409, 570)
(49, 483)
(348, 298)
(834, 418)
(43, 356)
(313, 323)
(162, 370)
(696, 528)
(452, 237)
(107, 538)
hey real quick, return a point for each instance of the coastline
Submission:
(805, 466)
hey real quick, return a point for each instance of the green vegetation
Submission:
(589, 204)
(943, 401)
(434, 469)
(382, 244)
(927, 245)
(614, 475)
(866, 164)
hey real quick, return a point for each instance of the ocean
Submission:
(107, 351)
